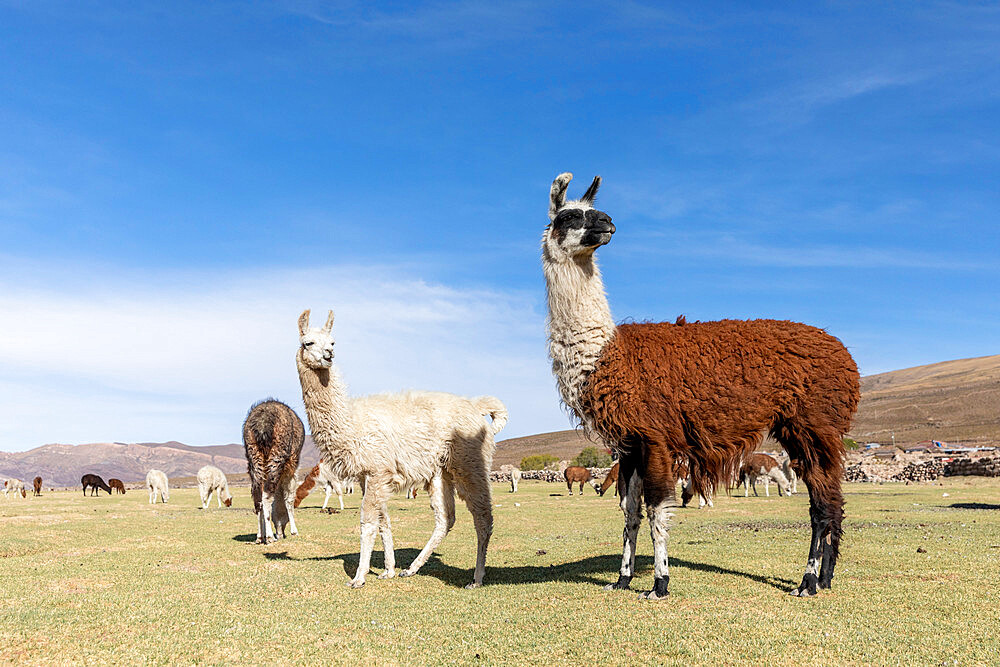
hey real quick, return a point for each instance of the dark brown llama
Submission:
(94, 483)
(272, 440)
(38, 486)
(117, 485)
(611, 479)
(574, 474)
(657, 392)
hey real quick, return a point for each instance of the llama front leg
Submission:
(290, 507)
(767, 486)
(326, 501)
(630, 492)
(389, 554)
(369, 530)
(266, 502)
(442, 495)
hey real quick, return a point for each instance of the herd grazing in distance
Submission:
(658, 392)
(440, 441)
(673, 402)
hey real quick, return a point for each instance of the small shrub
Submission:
(538, 461)
(850, 443)
(592, 457)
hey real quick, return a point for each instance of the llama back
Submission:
(717, 383)
(268, 423)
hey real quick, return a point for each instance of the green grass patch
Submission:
(114, 579)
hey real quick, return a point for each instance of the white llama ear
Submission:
(303, 322)
(328, 327)
(591, 192)
(557, 196)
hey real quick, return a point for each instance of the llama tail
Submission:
(306, 486)
(491, 407)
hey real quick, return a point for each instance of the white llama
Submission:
(212, 480)
(395, 441)
(14, 486)
(789, 470)
(515, 475)
(761, 466)
(156, 480)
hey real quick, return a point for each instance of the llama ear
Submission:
(591, 192)
(328, 327)
(303, 322)
(557, 196)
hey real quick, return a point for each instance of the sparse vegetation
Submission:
(592, 457)
(115, 580)
(538, 461)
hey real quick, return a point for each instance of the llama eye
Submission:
(306, 344)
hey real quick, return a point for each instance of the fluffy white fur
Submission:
(156, 480)
(212, 480)
(793, 478)
(769, 472)
(515, 475)
(394, 441)
(14, 486)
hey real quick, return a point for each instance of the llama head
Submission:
(575, 228)
(316, 345)
(228, 502)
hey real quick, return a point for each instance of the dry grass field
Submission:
(113, 579)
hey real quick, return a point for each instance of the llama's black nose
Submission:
(611, 227)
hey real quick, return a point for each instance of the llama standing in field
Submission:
(514, 473)
(705, 390)
(394, 441)
(156, 481)
(37, 483)
(94, 482)
(762, 466)
(687, 487)
(610, 480)
(574, 475)
(323, 476)
(212, 480)
(272, 441)
(14, 486)
(117, 485)
(789, 470)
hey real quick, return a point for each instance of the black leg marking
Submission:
(622, 583)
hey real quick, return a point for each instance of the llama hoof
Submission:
(469, 587)
(356, 583)
(388, 574)
(802, 593)
(621, 585)
(653, 595)
(407, 573)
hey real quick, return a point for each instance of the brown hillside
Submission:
(563, 444)
(954, 401)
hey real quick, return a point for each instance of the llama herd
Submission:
(675, 402)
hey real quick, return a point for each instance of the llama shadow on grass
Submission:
(974, 506)
(597, 570)
(249, 537)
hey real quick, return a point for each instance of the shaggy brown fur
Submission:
(307, 485)
(94, 483)
(705, 391)
(610, 480)
(117, 485)
(272, 441)
(574, 474)
(38, 486)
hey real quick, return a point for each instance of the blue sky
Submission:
(179, 180)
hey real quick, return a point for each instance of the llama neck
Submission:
(328, 411)
(580, 323)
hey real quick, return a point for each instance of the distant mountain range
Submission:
(954, 401)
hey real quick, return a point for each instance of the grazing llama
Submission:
(117, 485)
(574, 475)
(272, 441)
(789, 470)
(514, 473)
(323, 476)
(704, 391)
(37, 483)
(762, 466)
(156, 480)
(687, 487)
(14, 486)
(94, 482)
(611, 479)
(212, 480)
(395, 441)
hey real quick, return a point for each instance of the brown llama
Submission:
(117, 485)
(94, 483)
(574, 474)
(763, 466)
(704, 391)
(38, 486)
(611, 479)
(272, 441)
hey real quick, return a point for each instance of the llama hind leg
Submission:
(369, 530)
(826, 513)
(442, 495)
(479, 500)
(630, 493)
(659, 489)
(290, 507)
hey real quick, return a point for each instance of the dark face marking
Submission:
(596, 226)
